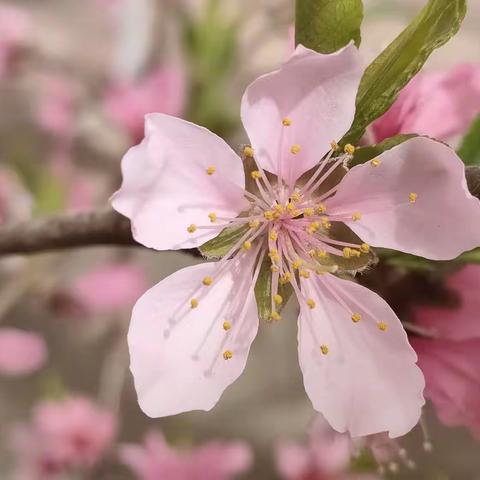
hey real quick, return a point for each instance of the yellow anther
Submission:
(285, 278)
(268, 215)
(274, 269)
(296, 213)
(321, 208)
(275, 316)
(355, 253)
(326, 223)
(364, 247)
(347, 252)
(313, 227)
(227, 354)
(334, 145)
(192, 228)
(375, 162)
(247, 245)
(290, 206)
(304, 273)
(312, 252)
(324, 349)
(412, 198)
(211, 169)
(297, 264)
(213, 217)
(273, 235)
(308, 212)
(350, 149)
(295, 149)
(356, 216)
(227, 325)
(279, 208)
(311, 303)
(356, 317)
(278, 299)
(273, 252)
(248, 152)
(322, 254)
(295, 197)
(194, 303)
(207, 281)
(256, 174)
(382, 326)
(286, 122)
(254, 223)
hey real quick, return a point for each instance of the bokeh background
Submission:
(76, 78)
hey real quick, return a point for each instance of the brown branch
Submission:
(101, 227)
(57, 232)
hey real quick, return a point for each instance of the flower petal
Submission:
(443, 220)
(166, 186)
(317, 94)
(177, 351)
(367, 381)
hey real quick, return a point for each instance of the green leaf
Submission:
(222, 243)
(469, 150)
(473, 180)
(263, 292)
(402, 59)
(365, 154)
(328, 25)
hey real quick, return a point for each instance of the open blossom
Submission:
(450, 359)
(21, 352)
(300, 219)
(63, 435)
(438, 104)
(212, 461)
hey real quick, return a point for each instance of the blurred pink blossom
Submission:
(14, 34)
(450, 360)
(66, 435)
(21, 352)
(163, 90)
(326, 455)
(212, 461)
(109, 287)
(438, 104)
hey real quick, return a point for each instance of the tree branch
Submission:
(100, 227)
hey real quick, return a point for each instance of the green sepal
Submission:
(263, 292)
(219, 246)
(469, 150)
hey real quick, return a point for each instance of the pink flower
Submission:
(14, 33)
(327, 454)
(163, 90)
(190, 335)
(440, 105)
(21, 352)
(109, 287)
(64, 435)
(212, 461)
(450, 360)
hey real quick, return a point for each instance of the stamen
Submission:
(213, 217)
(192, 228)
(356, 317)
(211, 169)
(295, 149)
(375, 162)
(349, 149)
(412, 198)
(254, 223)
(275, 316)
(207, 281)
(273, 235)
(382, 326)
(286, 122)
(278, 299)
(193, 303)
(334, 145)
(248, 152)
(227, 354)
(268, 215)
(324, 349)
(304, 273)
(311, 303)
(247, 245)
(356, 216)
(364, 247)
(321, 208)
(308, 212)
(227, 325)
(256, 175)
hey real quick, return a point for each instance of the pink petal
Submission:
(459, 322)
(177, 351)
(21, 352)
(368, 381)
(438, 104)
(166, 187)
(109, 287)
(441, 224)
(453, 380)
(317, 93)
(293, 461)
